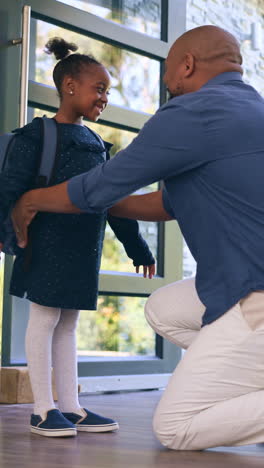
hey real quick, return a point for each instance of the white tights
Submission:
(51, 341)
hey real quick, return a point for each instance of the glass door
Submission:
(132, 41)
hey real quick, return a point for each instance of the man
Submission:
(207, 144)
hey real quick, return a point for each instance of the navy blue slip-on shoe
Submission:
(55, 425)
(91, 422)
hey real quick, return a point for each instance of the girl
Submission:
(59, 270)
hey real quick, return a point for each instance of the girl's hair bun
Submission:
(60, 48)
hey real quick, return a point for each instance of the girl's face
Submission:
(88, 95)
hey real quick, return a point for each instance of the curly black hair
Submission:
(69, 64)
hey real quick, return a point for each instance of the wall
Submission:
(236, 17)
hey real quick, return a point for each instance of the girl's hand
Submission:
(148, 270)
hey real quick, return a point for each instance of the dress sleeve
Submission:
(127, 232)
(20, 171)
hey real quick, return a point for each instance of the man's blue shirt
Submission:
(208, 147)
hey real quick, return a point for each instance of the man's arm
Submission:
(147, 207)
(52, 199)
(170, 143)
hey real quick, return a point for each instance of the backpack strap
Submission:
(49, 150)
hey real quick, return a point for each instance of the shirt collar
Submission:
(223, 78)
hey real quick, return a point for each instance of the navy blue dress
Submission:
(60, 266)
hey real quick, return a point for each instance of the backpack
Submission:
(45, 171)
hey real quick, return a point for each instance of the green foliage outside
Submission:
(118, 325)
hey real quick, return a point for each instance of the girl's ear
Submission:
(68, 86)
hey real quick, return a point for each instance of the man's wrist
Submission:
(53, 199)
(31, 199)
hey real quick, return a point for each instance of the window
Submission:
(116, 329)
(112, 31)
(133, 75)
(114, 257)
(143, 16)
(189, 264)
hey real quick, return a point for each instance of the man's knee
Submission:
(171, 434)
(160, 430)
(151, 310)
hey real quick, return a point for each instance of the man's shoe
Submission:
(91, 422)
(55, 425)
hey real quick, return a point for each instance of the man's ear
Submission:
(189, 64)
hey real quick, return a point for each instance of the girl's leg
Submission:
(65, 370)
(64, 358)
(41, 325)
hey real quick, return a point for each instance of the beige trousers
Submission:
(216, 394)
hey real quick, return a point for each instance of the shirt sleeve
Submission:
(166, 203)
(169, 144)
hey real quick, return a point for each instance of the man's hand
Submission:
(148, 270)
(52, 199)
(22, 215)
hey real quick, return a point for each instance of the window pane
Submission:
(189, 264)
(114, 257)
(135, 79)
(120, 139)
(117, 329)
(139, 15)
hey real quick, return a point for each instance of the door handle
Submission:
(25, 42)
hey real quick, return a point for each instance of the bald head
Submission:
(209, 44)
(199, 55)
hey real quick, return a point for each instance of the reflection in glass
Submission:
(140, 15)
(114, 257)
(135, 78)
(117, 328)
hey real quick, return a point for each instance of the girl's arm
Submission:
(127, 232)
